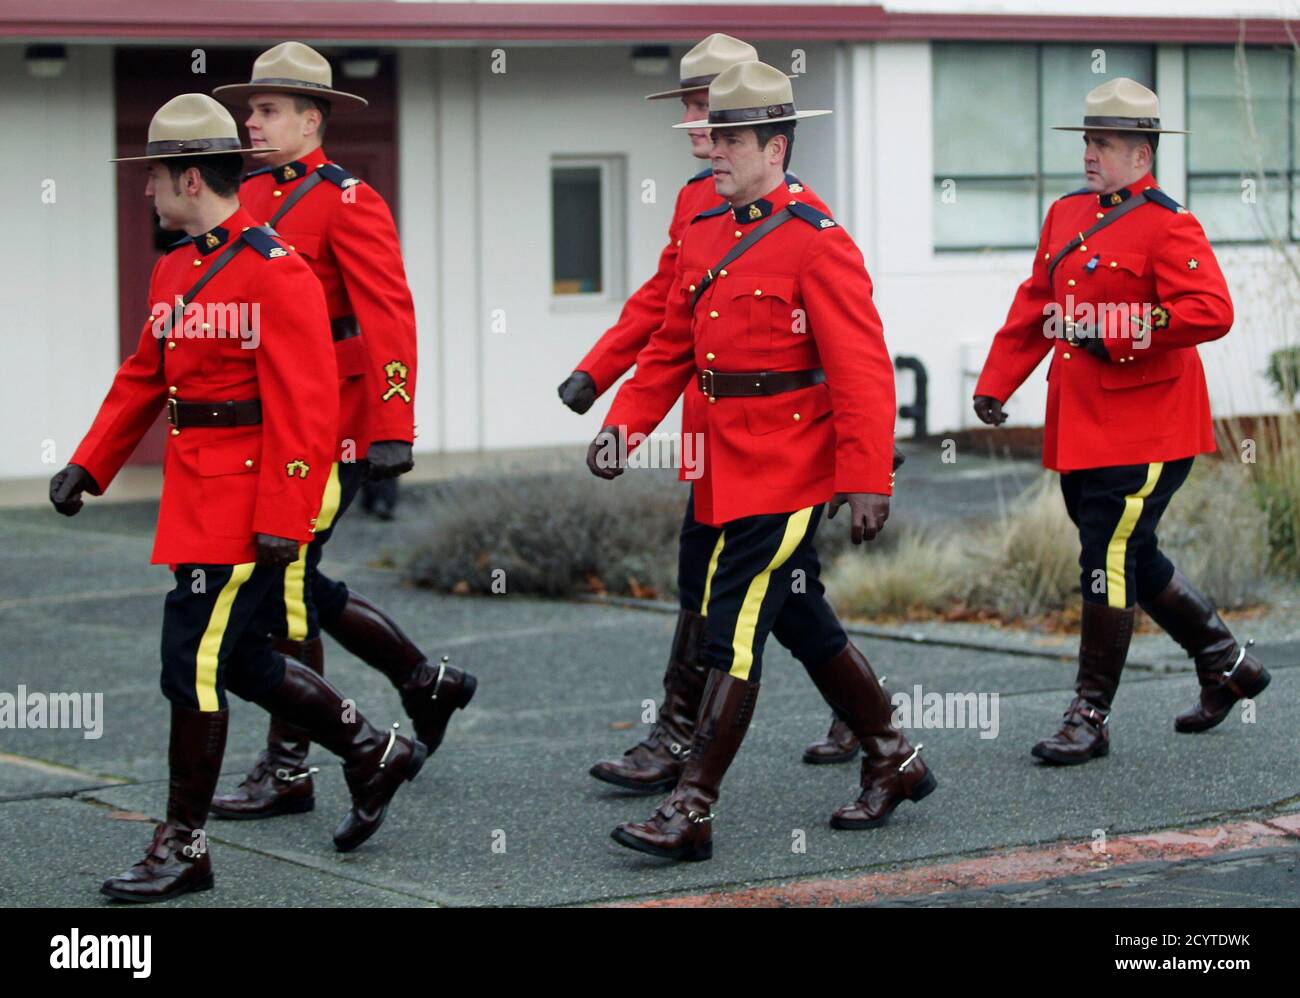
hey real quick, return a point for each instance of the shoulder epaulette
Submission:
(1081, 190)
(336, 175)
(704, 174)
(716, 210)
(1156, 196)
(794, 183)
(257, 173)
(263, 240)
(815, 218)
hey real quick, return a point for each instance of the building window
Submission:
(1241, 153)
(997, 162)
(584, 230)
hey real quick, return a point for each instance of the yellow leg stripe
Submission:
(708, 579)
(295, 603)
(742, 642)
(1117, 549)
(205, 672)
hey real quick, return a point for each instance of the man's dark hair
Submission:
(220, 173)
(301, 104)
(765, 133)
(1135, 139)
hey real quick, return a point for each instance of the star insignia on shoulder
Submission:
(1192, 264)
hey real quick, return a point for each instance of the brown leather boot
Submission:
(655, 763)
(280, 780)
(682, 826)
(429, 694)
(839, 745)
(177, 861)
(1227, 671)
(1103, 647)
(892, 771)
(375, 763)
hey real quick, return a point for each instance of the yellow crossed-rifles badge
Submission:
(395, 371)
(298, 465)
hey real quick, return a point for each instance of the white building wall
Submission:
(58, 292)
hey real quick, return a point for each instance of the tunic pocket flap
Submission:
(761, 287)
(1141, 371)
(769, 413)
(238, 456)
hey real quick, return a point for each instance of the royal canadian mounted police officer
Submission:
(236, 349)
(806, 621)
(771, 333)
(1124, 286)
(344, 230)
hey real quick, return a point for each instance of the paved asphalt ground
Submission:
(506, 814)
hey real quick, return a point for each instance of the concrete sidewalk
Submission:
(505, 812)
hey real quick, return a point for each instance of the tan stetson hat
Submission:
(709, 58)
(291, 68)
(751, 93)
(1120, 105)
(191, 125)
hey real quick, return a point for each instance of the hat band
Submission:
(748, 115)
(696, 82)
(1110, 121)
(284, 81)
(171, 146)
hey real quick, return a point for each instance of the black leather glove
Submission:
(1090, 340)
(989, 410)
(388, 459)
(603, 456)
(578, 392)
(869, 510)
(899, 458)
(66, 488)
(276, 552)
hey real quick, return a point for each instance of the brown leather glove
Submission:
(66, 488)
(605, 455)
(578, 392)
(989, 410)
(869, 510)
(276, 552)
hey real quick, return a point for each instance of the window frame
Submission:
(612, 170)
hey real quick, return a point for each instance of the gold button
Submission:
(739, 233)
(293, 247)
(1083, 249)
(248, 463)
(709, 356)
(1114, 264)
(1070, 282)
(312, 521)
(171, 390)
(713, 314)
(796, 417)
(171, 344)
(679, 242)
(244, 229)
(175, 432)
(1066, 355)
(692, 288)
(198, 263)
(311, 530)
(277, 194)
(712, 400)
(1047, 256)
(1101, 214)
(758, 293)
(722, 273)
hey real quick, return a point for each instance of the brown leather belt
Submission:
(344, 327)
(746, 384)
(245, 412)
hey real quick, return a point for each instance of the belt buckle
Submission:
(706, 382)
(173, 412)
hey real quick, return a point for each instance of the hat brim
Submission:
(238, 93)
(705, 123)
(664, 94)
(1098, 128)
(187, 155)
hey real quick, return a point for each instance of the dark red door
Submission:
(365, 142)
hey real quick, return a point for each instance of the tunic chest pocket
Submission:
(760, 310)
(1123, 276)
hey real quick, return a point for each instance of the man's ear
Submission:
(779, 141)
